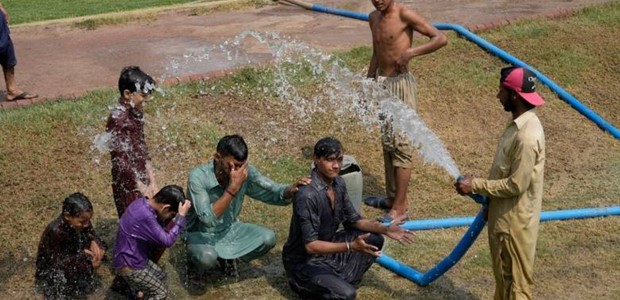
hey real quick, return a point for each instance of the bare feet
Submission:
(20, 96)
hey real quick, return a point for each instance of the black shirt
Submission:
(314, 219)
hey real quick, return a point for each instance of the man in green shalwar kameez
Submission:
(217, 191)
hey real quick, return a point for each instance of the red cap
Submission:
(522, 81)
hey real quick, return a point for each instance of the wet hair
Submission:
(134, 79)
(75, 204)
(233, 145)
(327, 146)
(172, 195)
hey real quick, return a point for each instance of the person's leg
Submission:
(401, 158)
(149, 281)
(390, 176)
(402, 177)
(320, 282)
(520, 254)
(8, 62)
(501, 266)
(267, 241)
(202, 257)
(352, 266)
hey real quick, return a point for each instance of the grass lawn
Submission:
(26, 11)
(46, 153)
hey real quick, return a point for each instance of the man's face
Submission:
(505, 98)
(329, 167)
(166, 214)
(381, 5)
(136, 99)
(79, 222)
(227, 163)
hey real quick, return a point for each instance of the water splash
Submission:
(423, 138)
(341, 91)
(296, 68)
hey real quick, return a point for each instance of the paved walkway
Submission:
(57, 60)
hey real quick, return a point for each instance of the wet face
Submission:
(79, 222)
(165, 213)
(223, 165)
(136, 99)
(505, 97)
(381, 5)
(329, 167)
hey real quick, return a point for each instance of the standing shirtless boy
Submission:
(392, 26)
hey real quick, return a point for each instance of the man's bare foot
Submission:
(20, 96)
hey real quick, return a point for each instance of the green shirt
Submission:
(515, 184)
(226, 233)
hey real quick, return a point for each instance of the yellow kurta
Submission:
(515, 188)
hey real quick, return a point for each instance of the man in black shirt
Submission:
(320, 261)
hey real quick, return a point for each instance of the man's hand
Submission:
(184, 207)
(403, 236)
(402, 63)
(96, 253)
(293, 188)
(360, 245)
(238, 175)
(464, 185)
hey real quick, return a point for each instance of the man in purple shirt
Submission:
(139, 232)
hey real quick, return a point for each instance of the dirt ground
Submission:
(59, 60)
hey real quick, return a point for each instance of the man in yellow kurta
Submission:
(514, 187)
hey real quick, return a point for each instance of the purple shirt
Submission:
(139, 232)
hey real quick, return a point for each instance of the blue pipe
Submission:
(340, 12)
(545, 216)
(564, 95)
(477, 223)
(444, 265)
(568, 98)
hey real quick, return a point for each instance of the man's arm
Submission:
(196, 188)
(290, 191)
(153, 232)
(393, 230)
(436, 38)
(513, 185)
(374, 63)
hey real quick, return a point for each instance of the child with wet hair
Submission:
(69, 252)
(139, 231)
(132, 172)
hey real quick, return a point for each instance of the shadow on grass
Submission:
(442, 288)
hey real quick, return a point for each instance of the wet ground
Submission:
(58, 60)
